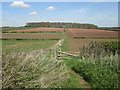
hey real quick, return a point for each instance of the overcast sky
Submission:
(18, 13)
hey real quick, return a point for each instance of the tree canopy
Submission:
(61, 25)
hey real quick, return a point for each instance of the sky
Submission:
(18, 13)
(64, 0)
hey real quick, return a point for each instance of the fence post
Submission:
(55, 51)
(41, 52)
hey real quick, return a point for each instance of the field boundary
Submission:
(68, 54)
(26, 39)
(56, 51)
(96, 37)
(53, 51)
(35, 32)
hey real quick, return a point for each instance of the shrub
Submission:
(98, 76)
(99, 49)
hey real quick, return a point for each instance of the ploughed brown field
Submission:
(75, 44)
(32, 35)
(91, 33)
(40, 29)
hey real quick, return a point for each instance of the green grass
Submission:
(72, 82)
(65, 43)
(16, 28)
(95, 37)
(27, 45)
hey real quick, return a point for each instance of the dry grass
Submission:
(30, 70)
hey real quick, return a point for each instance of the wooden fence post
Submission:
(41, 52)
(55, 52)
(56, 49)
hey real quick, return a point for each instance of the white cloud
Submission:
(19, 4)
(33, 13)
(51, 8)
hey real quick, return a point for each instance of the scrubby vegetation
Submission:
(33, 70)
(99, 49)
(30, 70)
(99, 66)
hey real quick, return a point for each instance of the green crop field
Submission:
(27, 45)
(16, 28)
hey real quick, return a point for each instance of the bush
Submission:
(99, 49)
(97, 75)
